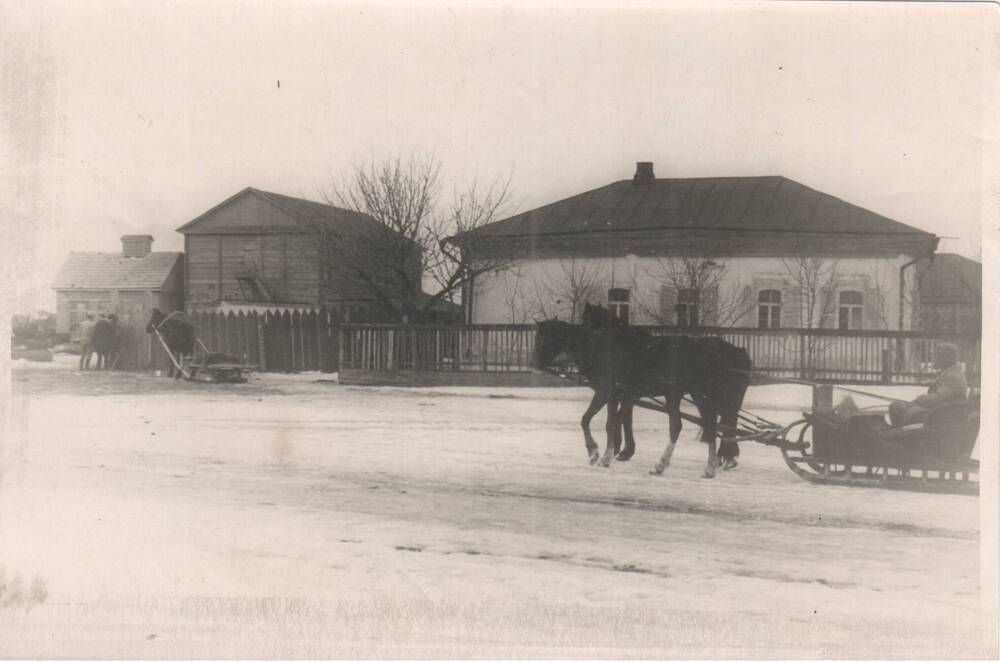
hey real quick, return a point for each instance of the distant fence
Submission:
(830, 355)
(818, 355)
(446, 347)
(292, 341)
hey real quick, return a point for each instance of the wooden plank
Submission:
(261, 349)
(343, 333)
(320, 348)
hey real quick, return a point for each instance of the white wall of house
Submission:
(862, 293)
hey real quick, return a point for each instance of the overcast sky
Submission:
(135, 118)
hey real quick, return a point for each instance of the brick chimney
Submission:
(136, 245)
(644, 173)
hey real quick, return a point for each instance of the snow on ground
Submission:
(58, 362)
(145, 517)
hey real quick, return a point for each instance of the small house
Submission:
(128, 284)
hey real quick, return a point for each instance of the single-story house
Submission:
(763, 252)
(129, 284)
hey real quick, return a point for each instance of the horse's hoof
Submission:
(605, 462)
(594, 459)
(656, 470)
(729, 463)
(625, 456)
(708, 474)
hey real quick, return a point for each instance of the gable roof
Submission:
(772, 203)
(112, 271)
(309, 212)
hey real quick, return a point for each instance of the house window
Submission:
(688, 304)
(849, 311)
(769, 309)
(618, 303)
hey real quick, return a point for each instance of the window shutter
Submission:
(668, 299)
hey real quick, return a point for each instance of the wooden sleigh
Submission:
(200, 369)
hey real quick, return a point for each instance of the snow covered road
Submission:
(291, 518)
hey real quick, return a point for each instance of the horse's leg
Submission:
(628, 451)
(729, 450)
(619, 429)
(708, 412)
(673, 405)
(598, 401)
(612, 429)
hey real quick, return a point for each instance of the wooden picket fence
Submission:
(290, 341)
(863, 357)
(316, 340)
(438, 347)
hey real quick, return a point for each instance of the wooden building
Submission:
(129, 284)
(951, 298)
(763, 252)
(273, 251)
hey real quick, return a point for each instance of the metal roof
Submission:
(112, 271)
(772, 203)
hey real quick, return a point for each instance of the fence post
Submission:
(332, 331)
(887, 365)
(486, 341)
(802, 356)
(412, 333)
(320, 314)
(262, 356)
(822, 398)
(340, 348)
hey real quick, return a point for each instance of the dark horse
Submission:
(625, 365)
(177, 332)
(106, 340)
(734, 379)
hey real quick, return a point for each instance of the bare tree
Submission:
(703, 292)
(516, 301)
(814, 289)
(813, 283)
(575, 283)
(396, 240)
(882, 284)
